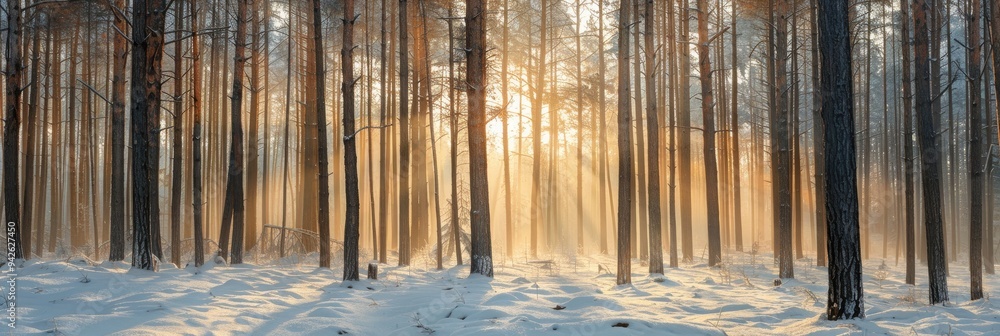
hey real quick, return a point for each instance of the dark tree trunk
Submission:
(781, 142)
(977, 182)
(233, 214)
(352, 226)
(383, 207)
(404, 135)
(931, 170)
(11, 127)
(176, 212)
(708, 132)
(624, 147)
(653, 133)
(845, 298)
(147, 55)
(908, 153)
(196, 144)
(479, 212)
(324, 156)
(117, 245)
(818, 138)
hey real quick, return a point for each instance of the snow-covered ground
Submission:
(575, 296)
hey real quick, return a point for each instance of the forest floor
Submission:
(557, 295)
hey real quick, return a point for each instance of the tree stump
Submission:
(373, 271)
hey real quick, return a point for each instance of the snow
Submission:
(569, 297)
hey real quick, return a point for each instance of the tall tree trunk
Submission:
(683, 127)
(708, 132)
(781, 141)
(456, 226)
(976, 166)
(931, 170)
(55, 68)
(479, 212)
(178, 142)
(404, 135)
(653, 133)
(324, 177)
(735, 128)
(147, 55)
(12, 123)
(672, 123)
(819, 134)
(253, 153)
(624, 147)
(117, 246)
(383, 207)
(196, 144)
(845, 299)
(908, 143)
(233, 211)
(352, 226)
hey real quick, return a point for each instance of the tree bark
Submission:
(708, 134)
(147, 55)
(352, 225)
(931, 170)
(196, 144)
(404, 136)
(479, 212)
(176, 212)
(653, 134)
(117, 245)
(624, 147)
(781, 142)
(324, 156)
(11, 127)
(845, 298)
(977, 182)
(908, 153)
(233, 214)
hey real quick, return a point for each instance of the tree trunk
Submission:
(624, 147)
(708, 133)
(117, 245)
(352, 226)
(683, 127)
(30, 170)
(253, 153)
(178, 142)
(233, 212)
(324, 156)
(479, 212)
(846, 296)
(12, 124)
(383, 207)
(653, 133)
(196, 144)
(404, 135)
(147, 55)
(781, 141)
(735, 128)
(55, 229)
(819, 134)
(931, 170)
(977, 121)
(908, 158)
